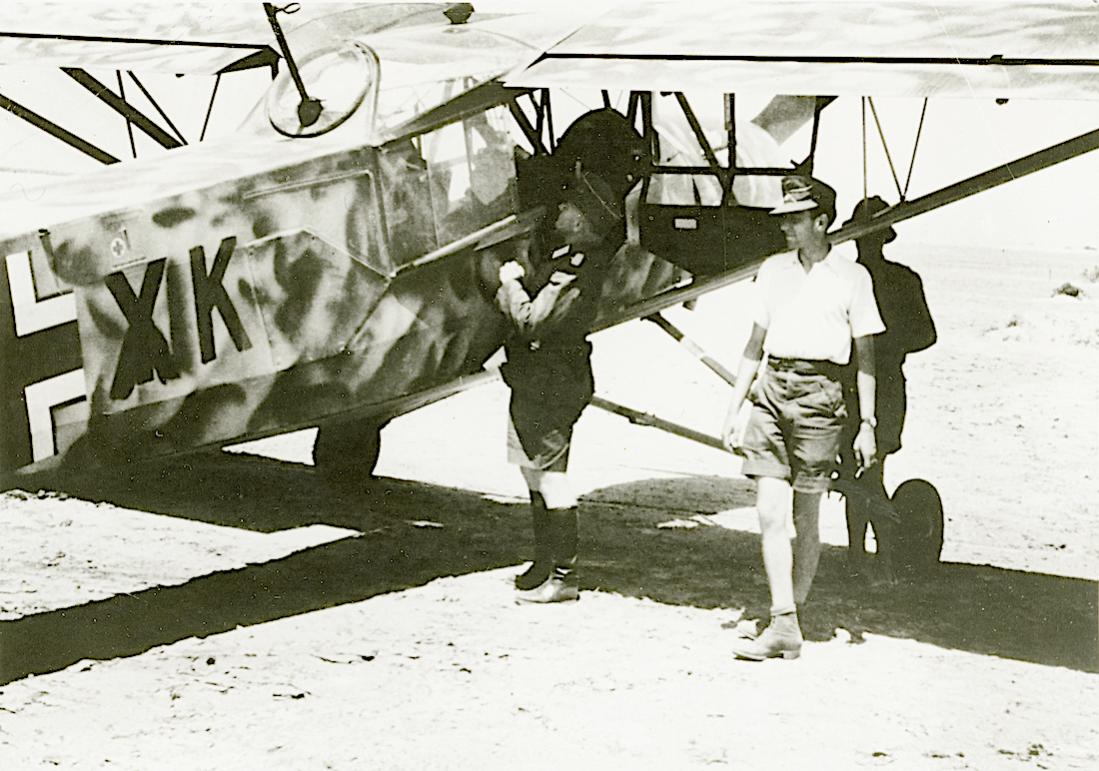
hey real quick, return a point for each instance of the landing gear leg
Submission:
(345, 454)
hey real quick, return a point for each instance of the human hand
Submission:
(511, 271)
(865, 447)
(736, 425)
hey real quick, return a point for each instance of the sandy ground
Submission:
(225, 611)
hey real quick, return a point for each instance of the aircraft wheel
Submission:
(345, 454)
(919, 534)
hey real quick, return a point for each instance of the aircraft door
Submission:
(679, 224)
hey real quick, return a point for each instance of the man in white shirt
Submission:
(812, 302)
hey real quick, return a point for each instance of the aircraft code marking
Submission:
(209, 294)
(145, 350)
(41, 398)
(31, 314)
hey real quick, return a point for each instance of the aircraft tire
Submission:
(346, 454)
(919, 534)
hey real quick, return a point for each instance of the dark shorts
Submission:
(796, 425)
(550, 388)
(549, 451)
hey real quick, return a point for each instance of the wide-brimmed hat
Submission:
(595, 198)
(803, 193)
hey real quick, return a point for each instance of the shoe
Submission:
(534, 576)
(561, 585)
(554, 589)
(782, 637)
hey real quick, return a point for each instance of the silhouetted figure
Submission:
(908, 328)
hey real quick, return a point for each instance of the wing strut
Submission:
(129, 123)
(53, 129)
(1027, 164)
(157, 107)
(122, 107)
(915, 147)
(694, 348)
(530, 131)
(210, 107)
(700, 135)
(639, 418)
(885, 146)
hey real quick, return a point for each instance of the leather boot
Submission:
(540, 569)
(562, 584)
(782, 637)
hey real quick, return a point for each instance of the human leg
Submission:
(560, 583)
(858, 519)
(818, 423)
(540, 568)
(543, 469)
(782, 637)
(881, 517)
(806, 543)
(772, 504)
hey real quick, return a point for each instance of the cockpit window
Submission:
(471, 166)
(448, 183)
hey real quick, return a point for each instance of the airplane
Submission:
(333, 262)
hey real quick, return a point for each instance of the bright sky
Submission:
(960, 137)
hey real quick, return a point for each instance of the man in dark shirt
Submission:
(549, 372)
(908, 328)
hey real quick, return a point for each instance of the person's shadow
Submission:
(627, 548)
(978, 608)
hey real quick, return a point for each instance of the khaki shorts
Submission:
(795, 428)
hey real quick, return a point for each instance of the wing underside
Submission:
(885, 48)
(182, 38)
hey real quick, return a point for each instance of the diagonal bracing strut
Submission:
(692, 347)
(121, 106)
(639, 418)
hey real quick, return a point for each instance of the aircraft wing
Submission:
(193, 38)
(897, 48)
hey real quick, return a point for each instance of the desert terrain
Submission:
(227, 611)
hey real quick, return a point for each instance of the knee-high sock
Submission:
(565, 539)
(542, 566)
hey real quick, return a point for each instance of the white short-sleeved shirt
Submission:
(815, 314)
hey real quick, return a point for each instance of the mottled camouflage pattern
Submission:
(257, 297)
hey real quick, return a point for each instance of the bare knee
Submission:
(556, 490)
(773, 505)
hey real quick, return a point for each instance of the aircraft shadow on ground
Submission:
(1026, 616)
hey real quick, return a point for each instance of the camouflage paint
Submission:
(258, 296)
